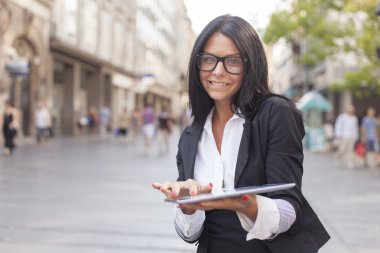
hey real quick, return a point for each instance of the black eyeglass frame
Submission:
(222, 59)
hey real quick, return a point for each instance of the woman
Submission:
(10, 126)
(242, 135)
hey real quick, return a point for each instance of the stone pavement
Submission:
(347, 201)
(82, 195)
(85, 195)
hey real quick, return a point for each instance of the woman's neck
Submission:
(222, 113)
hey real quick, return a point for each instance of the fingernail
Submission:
(174, 194)
(211, 185)
(192, 193)
(245, 197)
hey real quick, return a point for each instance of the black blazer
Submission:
(270, 152)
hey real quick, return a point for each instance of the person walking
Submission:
(10, 127)
(105, 121)
(148, 128)
(42, 121)
(369, 138)
(135, 123)
(165, 125)
(346, 131)
(93, 120)
(241, 135)
(123, 123)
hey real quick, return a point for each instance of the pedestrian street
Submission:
(87, 194)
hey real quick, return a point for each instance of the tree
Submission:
(328, 28)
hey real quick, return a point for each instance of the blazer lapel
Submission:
(243, 150)
(190, 150)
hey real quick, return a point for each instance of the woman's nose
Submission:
(219, 69)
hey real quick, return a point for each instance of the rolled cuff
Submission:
(189, 225)
(267, 220)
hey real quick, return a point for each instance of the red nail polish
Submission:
(211, 185)
(245, 197)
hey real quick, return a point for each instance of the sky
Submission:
(257, 12)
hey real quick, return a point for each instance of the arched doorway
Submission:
(24, 85)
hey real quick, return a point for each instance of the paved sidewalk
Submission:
(347, 201)
(82, 195)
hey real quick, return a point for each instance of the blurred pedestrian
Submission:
(328, 127)
(346, 131)
(83, 121)
(148, 127)
(10, 127)
(93, 120)
(242, 135)
(42, 119)
(122, 123)
(165, 125)
(369, 137)
(105, 121)
(135, 122)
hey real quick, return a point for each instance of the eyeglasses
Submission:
(232, 64)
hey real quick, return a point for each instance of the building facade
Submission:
(24, 56)
(92, 55)
(79, 54)
(165, 39)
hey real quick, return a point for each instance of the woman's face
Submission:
(219, 84)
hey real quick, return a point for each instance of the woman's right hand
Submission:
(182, 188)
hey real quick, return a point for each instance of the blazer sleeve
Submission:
(181, 177)
(181, 173)
(285, 131)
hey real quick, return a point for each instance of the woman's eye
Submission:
(208, 59)
(234, 61)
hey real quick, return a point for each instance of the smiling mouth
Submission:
(218, 84)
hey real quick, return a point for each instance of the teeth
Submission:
(218, 84)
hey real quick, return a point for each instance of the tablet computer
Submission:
(229, 193)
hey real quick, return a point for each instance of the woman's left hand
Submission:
(245, 204)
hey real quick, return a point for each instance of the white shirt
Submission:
(346, 126)
(274, 216)
(42, 118)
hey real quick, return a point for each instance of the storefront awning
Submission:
(161, 90)
(122, 81)
(314, 100)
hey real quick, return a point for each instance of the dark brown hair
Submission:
(255, 80)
